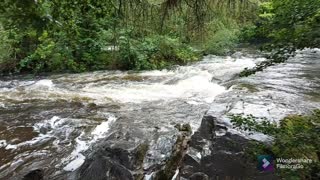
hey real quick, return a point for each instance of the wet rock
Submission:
(159, 152)
(102, 167)
(199, 176)
(133, 78)
(207, 126)
(43, 130)
(223, 159)
(92, 106)
(76, 104)
(34, 175)
(172, 164)
(184, 127)
(114, 163)
(140, 154)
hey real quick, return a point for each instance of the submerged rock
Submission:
(34, 175)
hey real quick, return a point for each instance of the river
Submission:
(55, 123)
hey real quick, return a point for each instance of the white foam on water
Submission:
(193, 83)
(148, 176)
(189, 82)
(50, 124)
(157, 73)
(100, 130)
(44, 83)
(196, 87)
(2, 105)
(35, 140)
(227, 67)
(76, 158)
(76, 163)
(193, 102)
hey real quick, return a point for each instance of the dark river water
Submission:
(54, 123)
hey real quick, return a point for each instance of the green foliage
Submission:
(5, 49)
(222, 36)
(221, 42)
(154, 52)
(295, 137)
(251, 123)
(248, 33)
(76, 36)
(290, 22)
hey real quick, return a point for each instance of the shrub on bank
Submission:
(295, 137)
(154, 52)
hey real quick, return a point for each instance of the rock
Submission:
(207, 126)
(173, 163)
(199, 176)
(92, 106)
(140, 154)
(224, 158)
(34, 175)
(185, 128)
(102, 167)
(114, 163)
(43, 130)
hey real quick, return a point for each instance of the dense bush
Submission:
(222, 41)
(295, 137)
(75, 36)
(154, 52)
(289, 23)
(5, 50)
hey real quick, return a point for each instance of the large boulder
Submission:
(212, 156)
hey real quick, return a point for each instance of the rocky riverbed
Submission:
(170, 124)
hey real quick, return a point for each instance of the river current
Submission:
(54, 123)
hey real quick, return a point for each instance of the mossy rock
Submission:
(184, 128)
(133, 78)
(249, 87)
(141, 152)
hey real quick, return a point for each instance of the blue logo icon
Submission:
(265, 163)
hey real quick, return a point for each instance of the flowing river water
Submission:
(54, 123)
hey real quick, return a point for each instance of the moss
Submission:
(133, 78)
(81, 99)
(249, 87)
(92, 106)
(141, 153)
(184, 128)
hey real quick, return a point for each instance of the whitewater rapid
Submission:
(55, 122)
